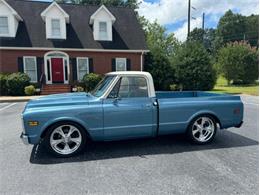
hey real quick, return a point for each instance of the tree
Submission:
(125, 3)
(207, 37)
(197, 34)
(235, 27)
(238, 62)
(193, 67)
(161, 45)
(252, 30)
(231, 27)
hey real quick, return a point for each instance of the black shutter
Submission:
(20, 64)
(90, 65)
(73, 63)
(39, 67)
(113, 65)
(128, 64)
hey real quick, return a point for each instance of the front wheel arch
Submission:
(44, 133)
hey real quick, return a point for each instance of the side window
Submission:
(55, 28)
(82, 67)
(30, 67)
(128, 87)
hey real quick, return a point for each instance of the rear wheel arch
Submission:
(45, 131)
(206, 114)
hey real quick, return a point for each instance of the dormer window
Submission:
(55, 28)
(103, 31)
(102, 21)
(55, 21)
(4, 29)
(9, 20)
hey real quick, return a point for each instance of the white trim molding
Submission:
(44, 13)
(103, 7)
(18, 17)
(76, 49)
(35, 64)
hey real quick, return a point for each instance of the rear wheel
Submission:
(65, 139)
(202, 129)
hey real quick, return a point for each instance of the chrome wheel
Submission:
(203, 129)
(65, 139)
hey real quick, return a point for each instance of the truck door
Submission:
(128, 110)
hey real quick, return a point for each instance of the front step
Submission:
(55, 89)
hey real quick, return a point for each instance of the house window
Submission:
(103, 31)
(120, 64)
(4, 30)
(30, 68)
(82, 67)
(55, 28)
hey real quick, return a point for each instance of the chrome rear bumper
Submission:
(24, 139)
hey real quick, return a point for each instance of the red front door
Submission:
(57, 70)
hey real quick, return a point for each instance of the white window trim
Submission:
(8, 26)
(34, 57)
(81, 58)
(124, 61)
(53, 36)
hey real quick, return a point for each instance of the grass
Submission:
(223, 87)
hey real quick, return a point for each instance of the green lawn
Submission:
(222, 87)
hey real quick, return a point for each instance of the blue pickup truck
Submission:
(124, 105)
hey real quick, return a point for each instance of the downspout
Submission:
(142, 60)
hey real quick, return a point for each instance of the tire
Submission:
(65, 139)
(202, 129)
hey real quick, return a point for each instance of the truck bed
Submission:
(176, 109)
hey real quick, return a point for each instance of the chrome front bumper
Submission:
(24, 139)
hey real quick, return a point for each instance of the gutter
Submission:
(74, 49)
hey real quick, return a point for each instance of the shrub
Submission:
(238, 62)
(193, 67)
(16, 82)
(91, 80)
(3, 84)
(29, 90)
(80, 89)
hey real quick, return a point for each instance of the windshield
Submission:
(102, 86)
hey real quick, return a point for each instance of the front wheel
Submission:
(202, 129)
(65, 139)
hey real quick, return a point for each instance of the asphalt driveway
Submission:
(165, 165)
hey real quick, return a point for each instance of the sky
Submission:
(173, 13)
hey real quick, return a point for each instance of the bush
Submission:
(193, 67)
(3, 84)
(161, 70)
(91, 80)
(80, 89)
(238, 62)
(29, 90)
(16, 82)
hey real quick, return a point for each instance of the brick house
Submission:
(57, 44)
